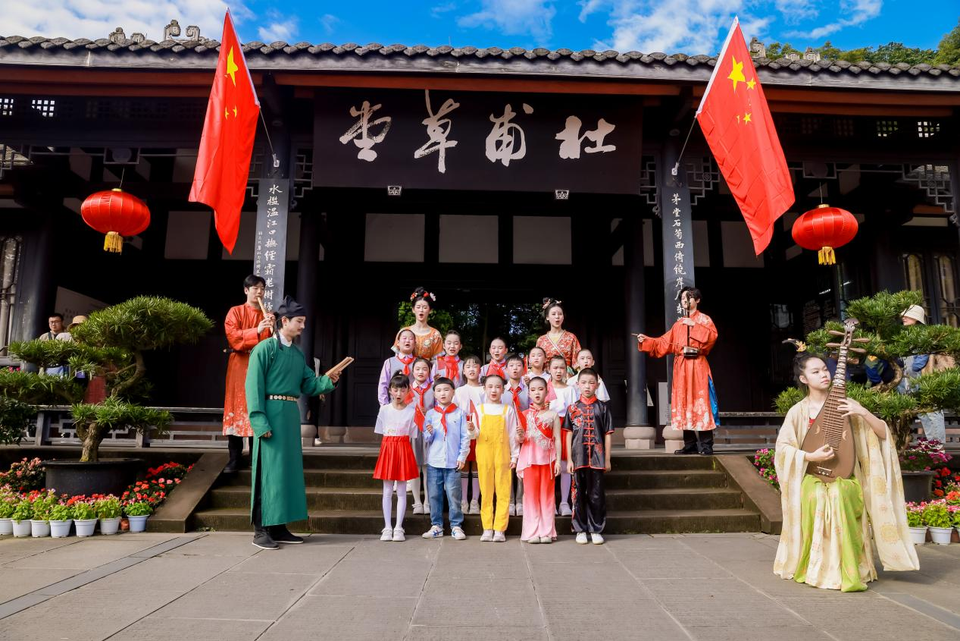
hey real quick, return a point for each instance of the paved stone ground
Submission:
(213, 586)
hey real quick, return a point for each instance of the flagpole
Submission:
(676, 167)
(266, 130)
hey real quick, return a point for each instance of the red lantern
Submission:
(824, 228)
(116, 214)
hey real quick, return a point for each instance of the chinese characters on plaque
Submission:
(452, 140)
(674, 203)
(270, 246)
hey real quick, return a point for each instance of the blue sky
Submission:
(688, 26)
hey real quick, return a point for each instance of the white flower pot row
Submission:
(61, 529)
(940, 535)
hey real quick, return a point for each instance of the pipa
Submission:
(831, 427)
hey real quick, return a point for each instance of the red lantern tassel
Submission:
(113, 243)
(827, 256)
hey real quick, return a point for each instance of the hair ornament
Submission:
(550, 302)
(800, 345)
(422, 294)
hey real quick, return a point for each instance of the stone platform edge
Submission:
(176, 513)
(757, 493)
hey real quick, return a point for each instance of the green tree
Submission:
(110, 346)
(880, 322)
(948, 52)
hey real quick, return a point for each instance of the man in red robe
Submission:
(245, 326)
(693, 401)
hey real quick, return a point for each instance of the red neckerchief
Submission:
(420, 412)
(515, 393)
(406, 363)
(450, 364)
(588, 401)
(443, 415)
(496, 368)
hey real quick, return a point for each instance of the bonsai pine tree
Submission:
(110, 346)
(880, 322)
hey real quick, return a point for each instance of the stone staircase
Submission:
(646, 493)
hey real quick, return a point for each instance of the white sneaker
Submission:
(386, 534)
(426, 508)
(398, 534)
(474, 507)
(533, 540)
(434, 533)
(487, 536)
(465, 507)
(458, 534)
(512, 509)
(519, 509)
(545, 539)
(596, 538)
(582, 538)
(418, 508)
(499, 537)
(565, 510)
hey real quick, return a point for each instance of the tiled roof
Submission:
(259, 51)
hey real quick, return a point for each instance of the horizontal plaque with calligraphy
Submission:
(438, 139)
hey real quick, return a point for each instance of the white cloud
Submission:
(795, 11)
(97, 18)
(859, 11)
(329, 22)
(514, 17)
(439, 10)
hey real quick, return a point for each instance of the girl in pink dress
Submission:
(539, 465)
(396, 464)
(558, 341)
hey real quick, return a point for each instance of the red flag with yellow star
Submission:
(736, 122)
(223, 162)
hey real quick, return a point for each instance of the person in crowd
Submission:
(826, 541)
(469, 397)
(558, 341)
(515, 394)
(693, 401)
(447, 438)
(245, 327)
(277, 376)
(448, 363)
(588, 431)
(497, 453)
(538, 465)
(421, 397)
(396, 464)
(401, 361)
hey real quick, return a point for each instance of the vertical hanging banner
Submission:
(270, 247)
(676, 212)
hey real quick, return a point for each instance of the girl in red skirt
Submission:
(396, 464)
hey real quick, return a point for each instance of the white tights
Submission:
(414, 486)
(565, 488)
(388, 503)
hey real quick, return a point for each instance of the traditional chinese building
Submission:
(493, 177)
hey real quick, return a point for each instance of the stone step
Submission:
(367, 459)
(615, 480)
(371, 522)
(334, 498)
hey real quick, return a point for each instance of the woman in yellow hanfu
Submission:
(830, 530)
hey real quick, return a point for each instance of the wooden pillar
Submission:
(638, 433)
(307, 279)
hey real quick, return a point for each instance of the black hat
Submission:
(290, 308)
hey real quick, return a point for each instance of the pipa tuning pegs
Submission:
(861, 340)
(834, 332)
(833, 344)
(858, 350)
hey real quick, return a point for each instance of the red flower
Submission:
(938, 492)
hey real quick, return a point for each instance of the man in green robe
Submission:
(276, 376)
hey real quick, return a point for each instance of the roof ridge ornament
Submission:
(172, 30)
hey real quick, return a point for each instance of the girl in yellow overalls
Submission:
(497, 452)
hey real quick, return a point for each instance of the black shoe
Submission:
(686, 450)
(707, 451)
(264, 541)
(281, 534)
(231, 467)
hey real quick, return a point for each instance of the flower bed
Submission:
(763, 461)
(141, 499)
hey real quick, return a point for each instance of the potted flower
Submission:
(937, 516)
(918, 529)
(8, 503)
(40, 519)
(108, 511)
(20, 519)
(61, 517)
(919, 464)
(84, 515)
(138, 512)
